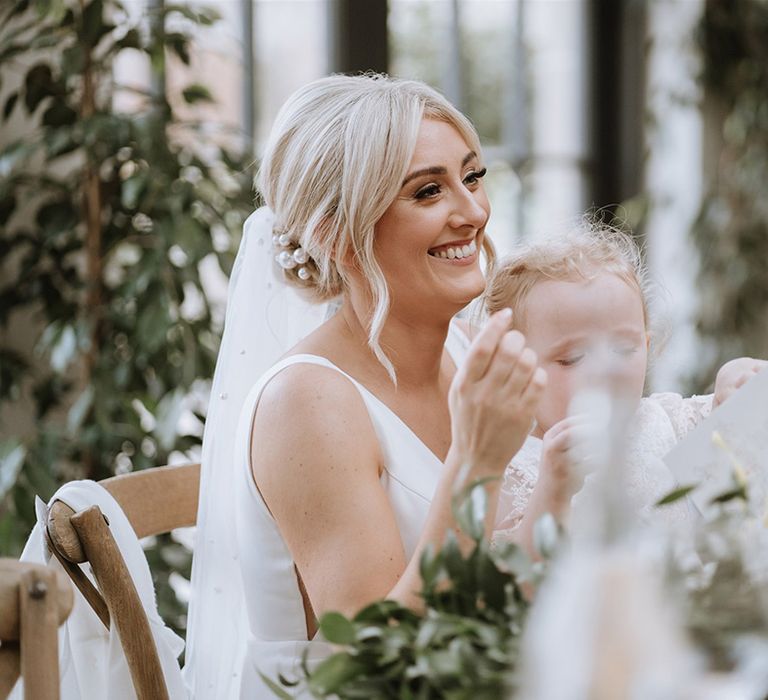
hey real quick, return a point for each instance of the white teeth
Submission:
(457, 252)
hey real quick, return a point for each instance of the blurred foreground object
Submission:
(34, 601)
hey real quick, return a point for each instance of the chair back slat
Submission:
(157, 500)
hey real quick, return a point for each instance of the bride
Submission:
(328, 471)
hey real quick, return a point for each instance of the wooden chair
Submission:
(155, 501)
(34, 601)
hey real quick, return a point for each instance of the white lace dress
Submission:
(661, 421)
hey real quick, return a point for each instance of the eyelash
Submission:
(625, 350)
(570, 361)
(432, 190)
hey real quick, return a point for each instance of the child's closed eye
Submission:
(625, 350)
(571, 360)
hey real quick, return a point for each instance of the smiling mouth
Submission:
(454, 252)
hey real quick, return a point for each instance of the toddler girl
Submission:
(582, 303)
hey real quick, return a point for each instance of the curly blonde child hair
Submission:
(578, 255)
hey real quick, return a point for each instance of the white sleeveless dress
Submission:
(276, 620)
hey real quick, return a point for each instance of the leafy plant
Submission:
(107, 219)
(731, 232)
(463, 646)
(723, 573)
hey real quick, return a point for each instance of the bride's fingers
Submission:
(506, 360)
(531, 395)
(521, 373)
(483, 349)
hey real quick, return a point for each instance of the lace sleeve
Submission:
(684, 413)
(517, 484)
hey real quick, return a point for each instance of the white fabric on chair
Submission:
(91, 660)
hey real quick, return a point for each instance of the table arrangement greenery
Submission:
(466, 645)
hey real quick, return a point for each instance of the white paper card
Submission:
(742, 422)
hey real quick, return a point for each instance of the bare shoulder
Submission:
(311, 412)
(304, 388)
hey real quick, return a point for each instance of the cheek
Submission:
(557, 395)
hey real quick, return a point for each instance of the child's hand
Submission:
(734, 374)
(559, 477)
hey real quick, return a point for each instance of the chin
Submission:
(472, 289)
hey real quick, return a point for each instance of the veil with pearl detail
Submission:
(265, 317)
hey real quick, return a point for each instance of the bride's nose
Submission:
(469, 210)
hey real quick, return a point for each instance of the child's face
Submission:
(580, 330)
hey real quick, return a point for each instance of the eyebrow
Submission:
(565, 344)
(436, 169)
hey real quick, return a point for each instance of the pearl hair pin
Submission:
(289, 259)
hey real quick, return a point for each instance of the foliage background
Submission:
(107, 220)
(731, 232)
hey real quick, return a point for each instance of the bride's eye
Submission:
(474, 177)
(427, 192)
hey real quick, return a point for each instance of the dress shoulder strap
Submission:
(252, 400)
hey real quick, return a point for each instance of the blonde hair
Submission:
(581, 254)
(335, 161)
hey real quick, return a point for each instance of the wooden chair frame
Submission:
(155, 501)
(34, 601)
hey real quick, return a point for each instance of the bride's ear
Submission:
(348, 260)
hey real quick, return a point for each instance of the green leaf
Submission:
(56, 217)
(20, 7)
(153, 323)
(59, 340)
(50, 10)
(331, 673)
(94, 26)
(676, 495)
(73, 60)
(12, 454)
(167, 415)
(132, 189)
(10, 103)
(38, 85)
(179, 44)
(275, 688)
(514, 559)
(738, 492)
(337, 629)
(12, 155)
(59, 114)
(131, 40)
(79, 410)
(195, 93)
(203, 15)
(7, 207)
